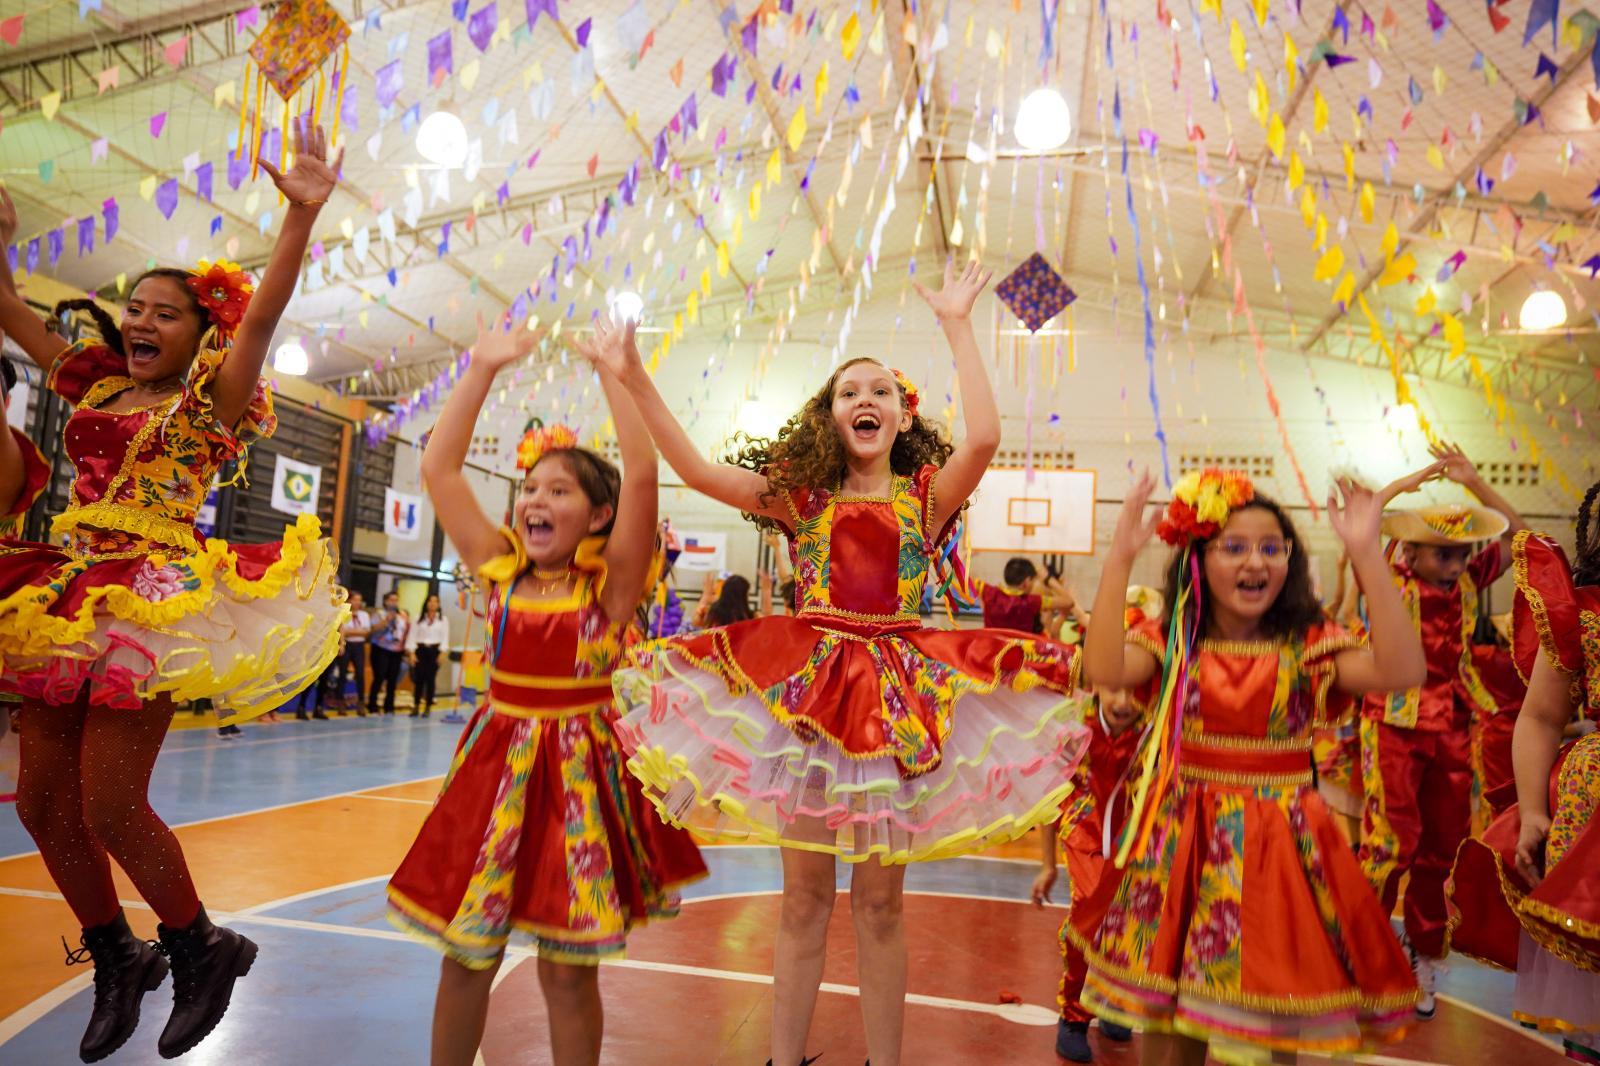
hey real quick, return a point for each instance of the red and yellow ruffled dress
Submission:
(848, 727)
(136, 604)
(1244, 919)
(1551, 934)
(538, 829)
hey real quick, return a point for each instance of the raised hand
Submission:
(498, 346)
(612, 348)
(312, 177)
(954, 301)
(1456, 466)
(1134, 529)
(1355, 512)
(1413, 481)
(8, 217)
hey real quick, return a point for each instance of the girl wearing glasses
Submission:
(1243, 921)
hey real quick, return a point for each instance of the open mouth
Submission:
(538, 530)
(866, 426)
(1252, 587)
(143, 352)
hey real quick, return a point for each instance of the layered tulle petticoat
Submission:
(849, 728)
(136, 604)
(1243, 918)
(538, 830)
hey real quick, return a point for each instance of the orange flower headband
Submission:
(913, 398)
(539, 440)
(1201, 503)
(223, 289)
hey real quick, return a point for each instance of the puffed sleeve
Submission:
(89, 361)
(35, 479)
(1547, 609)
(228, 442)
(1324, 641)
(925, 484)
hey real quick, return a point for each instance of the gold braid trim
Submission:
(1245, 778)
(1242, 648)
(1533, 916)
(126, 518)
(1145, 641)
(1235, 742)
(829, 611)
(1541, 615)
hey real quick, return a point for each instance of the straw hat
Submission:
(1444, 524)
(1146, 600)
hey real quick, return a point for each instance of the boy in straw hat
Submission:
(1416, 760)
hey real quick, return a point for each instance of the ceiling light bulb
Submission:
(1543, 310)
(1043, 121)
(290, 359)
(627, 306)
(442, 139)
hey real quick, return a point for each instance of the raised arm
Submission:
(732, 485)
(1393, 658)
(17, 319)
(475, 536)
(1458, 468)
(961, 473)
(632, 543)
(307, 186)
(1107, 657)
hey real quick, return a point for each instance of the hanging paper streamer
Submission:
(1144, 287)
(297, 39)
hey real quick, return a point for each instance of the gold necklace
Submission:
(547, 581)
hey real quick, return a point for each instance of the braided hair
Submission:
(103, 322)
(1586, 566)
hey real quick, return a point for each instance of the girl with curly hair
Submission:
(136, 611)
(1241, 919)
(848, 730)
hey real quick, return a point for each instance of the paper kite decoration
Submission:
(299, 36)
(1034, 292)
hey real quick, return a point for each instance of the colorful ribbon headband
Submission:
(913, 398)
(1201, 503)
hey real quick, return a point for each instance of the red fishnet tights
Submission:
(82, 794)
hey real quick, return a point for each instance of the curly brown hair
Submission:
(807, 452)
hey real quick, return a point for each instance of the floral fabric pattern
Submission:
(1577, 797)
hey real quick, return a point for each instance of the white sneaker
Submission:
(1423, 968)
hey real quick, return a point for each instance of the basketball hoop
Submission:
(1028, 514)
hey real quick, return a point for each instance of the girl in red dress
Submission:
(538, 830)
(847, 730)
(133, 610)
(1243, 920)
(1526, 896)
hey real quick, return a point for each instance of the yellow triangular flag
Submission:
(1275, 135)
(147, 187)
(819, 86)
(1368, 202)
(1308, 207)
(1319, 111)
(1455, 335)
(775, 167)
(722, 259)
(1426, 303)
(223, 94)
(1290, 54)
(797, 130)
(469, 75)
(1346, 289)
(1236, 44)
(1261, 12)
(850, 36)
(1330, 264)
(755, 201)
(691, 306)
(1349, 166)
(705, 281)
(1438, 79)
(49, 104)
(1391, 241)
(1435, 157)
(1297, 171)
(1260, 99)
(1397, 270)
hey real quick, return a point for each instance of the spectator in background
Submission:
(732, 603)
(1017, 604)
(354, 658)
(388, 640)
(424, 644)
(317, 692)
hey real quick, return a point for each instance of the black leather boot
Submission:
(125, 968)
(206, 960)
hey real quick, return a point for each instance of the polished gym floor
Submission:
(292, 829)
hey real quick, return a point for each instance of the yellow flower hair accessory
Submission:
(1201, 503)
(913, 397)
(223, 289)
(539, 440)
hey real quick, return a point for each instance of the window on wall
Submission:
(1510, 474)
(1043, 459)
(373, 470)
(306, 436)
(1258, 467)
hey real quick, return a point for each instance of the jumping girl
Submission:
(538, 830)
(848, 730)
(1243, 919)
(137, 612)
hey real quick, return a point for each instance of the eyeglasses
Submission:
(1237, 549)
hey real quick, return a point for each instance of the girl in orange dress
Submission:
(1243, 920)
(848, 730)
(538, 830)
(1526, 896)
(131, 610)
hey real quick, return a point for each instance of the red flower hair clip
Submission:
(1202, 500)
(913, 398)
(539, 440)
(223, 289)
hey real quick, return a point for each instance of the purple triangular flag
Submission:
(86, 235)
(109, 212)
(480, 27)
(1541, 13)
(238, 167)
(1546, 68)
(33, 256)
(535, 8)
(158, 122)
(167, 197)
(582, 32)
(440, 61)
(58, 241)
(202, 181)
(389, 80)
(749, 37)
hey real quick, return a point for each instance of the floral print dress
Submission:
(1244, 919)
(134, 604)
(538, 830)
